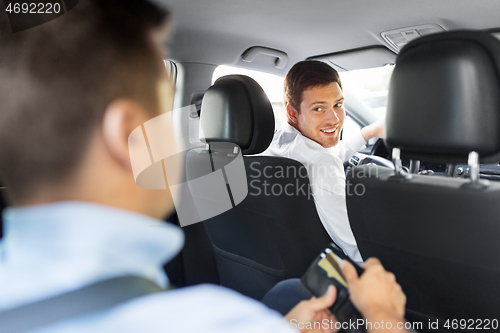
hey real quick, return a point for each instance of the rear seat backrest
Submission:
(267, 237)
(438, 235)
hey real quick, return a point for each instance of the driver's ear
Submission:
(120, 118)
(292, 114)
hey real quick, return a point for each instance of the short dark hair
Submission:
(57, 79)
(304, 75)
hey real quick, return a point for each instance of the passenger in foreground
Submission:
(315, 111)
(72, 91)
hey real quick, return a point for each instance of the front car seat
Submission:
(439, 235)
(275, 232)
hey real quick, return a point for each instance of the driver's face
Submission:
(322, 114)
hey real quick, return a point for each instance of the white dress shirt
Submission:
(326, 175)
(55, 248)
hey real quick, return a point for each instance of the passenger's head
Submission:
(72, 90)
(314, 101)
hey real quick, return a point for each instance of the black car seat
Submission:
(439, 235)
(270, 235)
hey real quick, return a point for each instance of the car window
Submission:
(172, 72)
(171, 68)
(369, 86)
(351, 127)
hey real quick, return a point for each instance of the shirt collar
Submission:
(287, 128)
(94, 229)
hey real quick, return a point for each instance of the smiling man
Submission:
(315, 111)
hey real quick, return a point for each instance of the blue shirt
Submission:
(55, 248)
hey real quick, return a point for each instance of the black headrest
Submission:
(444, 97)
(236, 109)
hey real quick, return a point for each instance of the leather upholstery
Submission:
(271, 235)
(444, 98)
(439, 239)
(236, 109)
(268, 238)
(438, 236)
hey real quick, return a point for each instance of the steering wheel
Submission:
(380, 149)
(379, 155)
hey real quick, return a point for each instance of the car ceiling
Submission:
(219, 31)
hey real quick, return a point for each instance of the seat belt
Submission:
(92, 298)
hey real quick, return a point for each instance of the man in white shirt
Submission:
(315, 112)
(72, 91)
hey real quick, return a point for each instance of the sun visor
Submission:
(376, 56)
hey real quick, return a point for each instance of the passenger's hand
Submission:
(314, 311)
(375, 130)
(376, 294)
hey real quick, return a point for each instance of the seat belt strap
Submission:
(98, 296)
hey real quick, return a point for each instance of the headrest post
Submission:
(396, 159)
(474, 166)
(414, 166)
(399, 173)
(475, 182)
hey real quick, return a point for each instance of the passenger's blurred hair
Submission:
(57, 79)
(305, 75)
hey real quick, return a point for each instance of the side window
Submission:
(369, 86)
(270, 83)
(367, 90)
(351, 127)
(171, 68)
(172, 72)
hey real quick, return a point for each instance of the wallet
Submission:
(325, 271)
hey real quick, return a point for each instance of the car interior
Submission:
(429, 211)
(430, 229)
